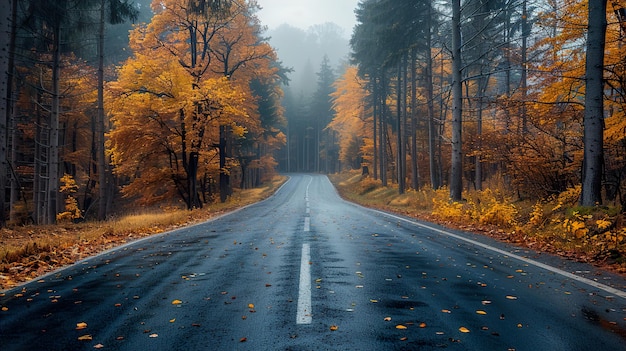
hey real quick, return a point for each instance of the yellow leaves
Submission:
(333, 327)
(464, 330)
(481, 312)
(81, 325)
(85, 337)
(176, 302)
(576, 227)
(401, 327)
(603, 224)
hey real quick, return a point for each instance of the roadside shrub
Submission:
(446, 209)
(368, 184)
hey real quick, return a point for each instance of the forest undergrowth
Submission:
(556, 225)
(28, 252)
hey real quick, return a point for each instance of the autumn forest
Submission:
(115, 104)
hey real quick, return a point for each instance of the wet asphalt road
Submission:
(305, 270)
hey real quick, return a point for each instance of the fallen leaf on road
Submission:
(176, 302)
(98, 346)
(481, 312)
(81, 325)
(243, 339)
(155, 335)
(250, 305)
(333, 327)
(400, 326)
(387, 319)
(422, 325)
(86, 337)
(464, 330)
(511, 297)
(172, 320)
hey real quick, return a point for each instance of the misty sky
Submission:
(305, 13)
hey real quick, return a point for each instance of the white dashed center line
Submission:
(304, 315)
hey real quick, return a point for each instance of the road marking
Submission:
(304, 315)
(572, 276)
(307, 224)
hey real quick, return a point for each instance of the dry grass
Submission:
(30, 251)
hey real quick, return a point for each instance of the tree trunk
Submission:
(399, 131)
(5, 98)
(435, 182)
(224, 176)
(593, 158)
(192, 181)
(383, 130)
(414, 168)
(375, 129)
(99, 132)
(52, 202)
(456, 172)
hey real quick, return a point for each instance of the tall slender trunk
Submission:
(375, 128)
(414, 167)
(456, 172)
(524, 73)
(224, 176)
(435, 182)
(52, 202)
(399, 131)
(6, 36)
(593, 138)
(101, 161)
(383, 129)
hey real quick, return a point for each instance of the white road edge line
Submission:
(572, 276)
(304, 315)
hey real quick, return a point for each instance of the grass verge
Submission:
(556, 225)
(28, 252)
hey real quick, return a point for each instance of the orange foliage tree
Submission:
(351, 121)
(174, 96)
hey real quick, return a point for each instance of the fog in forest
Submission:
(303, 51)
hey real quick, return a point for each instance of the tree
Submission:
(351, 122)
(321, 111)
(116, 12)
(7, 28)
(593, 138)
(185, 88)
(456, 173)
(50, 20)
